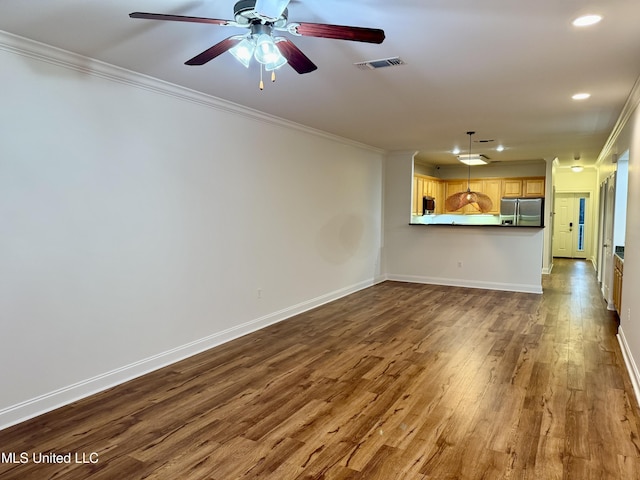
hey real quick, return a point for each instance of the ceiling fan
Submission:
(262, 18)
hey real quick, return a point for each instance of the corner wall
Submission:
(138, 226)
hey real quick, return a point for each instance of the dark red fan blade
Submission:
(340, 32)
(213, 52)
(178, 18)
(298, 60)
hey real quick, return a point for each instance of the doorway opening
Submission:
(571, 225)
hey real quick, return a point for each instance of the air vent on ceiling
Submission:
(384, 62)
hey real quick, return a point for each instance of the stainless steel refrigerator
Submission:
(522, 212)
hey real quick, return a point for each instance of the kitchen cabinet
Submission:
(451, 187)
(523, 187)
(417, 195)
(493, 188)
(426, 186)
(512, 187)
(456, 186)
(439, 195)
(533, 187)
(475, 186)
(618, 266)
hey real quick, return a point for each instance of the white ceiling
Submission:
(504, 68)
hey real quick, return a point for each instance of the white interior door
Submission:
(607, 245)
(570, 225)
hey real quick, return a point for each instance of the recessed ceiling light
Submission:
(577, 168)
(500, 148)
(455, 151)
(586, 20)
(581, 96)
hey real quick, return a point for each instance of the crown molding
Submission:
(630, 106)
(63, 58)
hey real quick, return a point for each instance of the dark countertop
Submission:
(472, 225)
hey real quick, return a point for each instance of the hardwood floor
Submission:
(399, 381)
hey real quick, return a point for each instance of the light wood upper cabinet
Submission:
(523, 187)
(415, 195)
(429, 187)
(495, 188)
(533, 187)
(440, 197)
(511, 187)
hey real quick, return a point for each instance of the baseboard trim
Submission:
(58, 398)
(455, 282)
(630, 363)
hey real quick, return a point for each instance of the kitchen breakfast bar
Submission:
(469, 251)
(475, 250)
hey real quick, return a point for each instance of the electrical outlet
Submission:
(460, 264)
(629, 315)
(259, 293)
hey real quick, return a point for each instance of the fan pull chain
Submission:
(261, 82)
(273, 76)
(469, 169)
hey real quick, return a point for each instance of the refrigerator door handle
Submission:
(516, 212)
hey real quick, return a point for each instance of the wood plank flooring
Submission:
(399, 381)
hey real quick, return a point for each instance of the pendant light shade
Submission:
(478, 200)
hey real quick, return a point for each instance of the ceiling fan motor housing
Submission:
(245, 14)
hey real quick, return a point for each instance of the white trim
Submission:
(633, 101)
(630, 363)
(46, 53)
(456, 282)
(50, 401)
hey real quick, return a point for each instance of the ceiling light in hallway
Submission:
(586, 20)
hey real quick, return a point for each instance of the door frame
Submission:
(590, 219)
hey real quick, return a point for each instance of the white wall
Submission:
(500, 258)
(630, 317)
(620, 217)
(137, 225)
(625, 137)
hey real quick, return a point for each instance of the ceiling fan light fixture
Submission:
(244, 51)
(267, 53)
(270, 9)
(262, 17)
(276, 64)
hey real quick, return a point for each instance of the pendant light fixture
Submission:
(478, 200)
